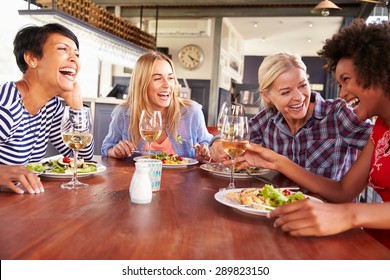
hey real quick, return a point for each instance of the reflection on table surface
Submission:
(183, 221)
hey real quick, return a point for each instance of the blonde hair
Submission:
(271, 67)
(137, 99)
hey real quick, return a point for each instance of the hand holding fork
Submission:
(202, 152)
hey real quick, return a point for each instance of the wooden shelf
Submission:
(88, 12)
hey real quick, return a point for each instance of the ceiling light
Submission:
(255, 25)
(374, 1)
(380, 2)
(324, 8)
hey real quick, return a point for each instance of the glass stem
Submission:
(232, 173)
(75, 154)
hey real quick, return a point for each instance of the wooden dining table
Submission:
(184, 221)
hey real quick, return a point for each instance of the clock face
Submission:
(190, 56)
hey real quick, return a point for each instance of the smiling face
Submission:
(290, 94)
(59, 64)
(363, 101)
(161, 86)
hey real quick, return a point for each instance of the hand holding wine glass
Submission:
(76, 131)
(150, 127)
(235, 138)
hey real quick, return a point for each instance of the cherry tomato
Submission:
(286, 192)
(66, 160)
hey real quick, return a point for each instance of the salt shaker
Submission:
(141, 186)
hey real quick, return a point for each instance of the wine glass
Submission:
(235, 138)
(150, 127)
(227, 109)
(76, 131)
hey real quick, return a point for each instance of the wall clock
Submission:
(191, 56)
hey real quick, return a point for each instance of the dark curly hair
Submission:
(368, 45)
(32, 38)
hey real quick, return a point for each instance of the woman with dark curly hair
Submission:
(359, 56)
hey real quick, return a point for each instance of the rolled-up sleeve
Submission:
(118, 129)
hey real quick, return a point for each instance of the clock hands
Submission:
(193, 59)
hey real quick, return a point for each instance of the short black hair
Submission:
(32, 38)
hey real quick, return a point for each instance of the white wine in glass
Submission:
(150, 127)
(228, 109)
(235, 138)
(76, 131)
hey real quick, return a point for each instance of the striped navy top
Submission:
(24, 137)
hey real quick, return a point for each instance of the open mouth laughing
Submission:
(353, 102)
(297, 107)
(69, 72)
(164, 95)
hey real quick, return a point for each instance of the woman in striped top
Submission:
(30, 109)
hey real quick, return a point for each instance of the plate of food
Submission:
(224, 171)
(60, 167)
(259, 201)
(170, 160)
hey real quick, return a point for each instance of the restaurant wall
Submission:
(174, 44)
(9, 71)
(317, 75)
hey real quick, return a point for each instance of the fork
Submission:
(179, 139)
(47, 170)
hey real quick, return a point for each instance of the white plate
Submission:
(221, 197)
(212, 168)
(99, 168)
(191, 161)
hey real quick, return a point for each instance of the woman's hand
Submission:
(14, 177)
(202, 152)
(258, 156)
(123, 149)
(312, 218)
(73, 98)
(216, 151)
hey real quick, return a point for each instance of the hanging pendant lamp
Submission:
(324, 8)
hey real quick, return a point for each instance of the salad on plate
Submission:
(63, 165)
(169, 158)
(264, 198)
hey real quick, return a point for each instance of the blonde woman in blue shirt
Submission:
(152, 87)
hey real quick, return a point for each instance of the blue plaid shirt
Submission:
(326, 145)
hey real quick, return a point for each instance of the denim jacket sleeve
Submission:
(118, 129)
(192, 130)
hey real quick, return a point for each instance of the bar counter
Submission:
(183, 221)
